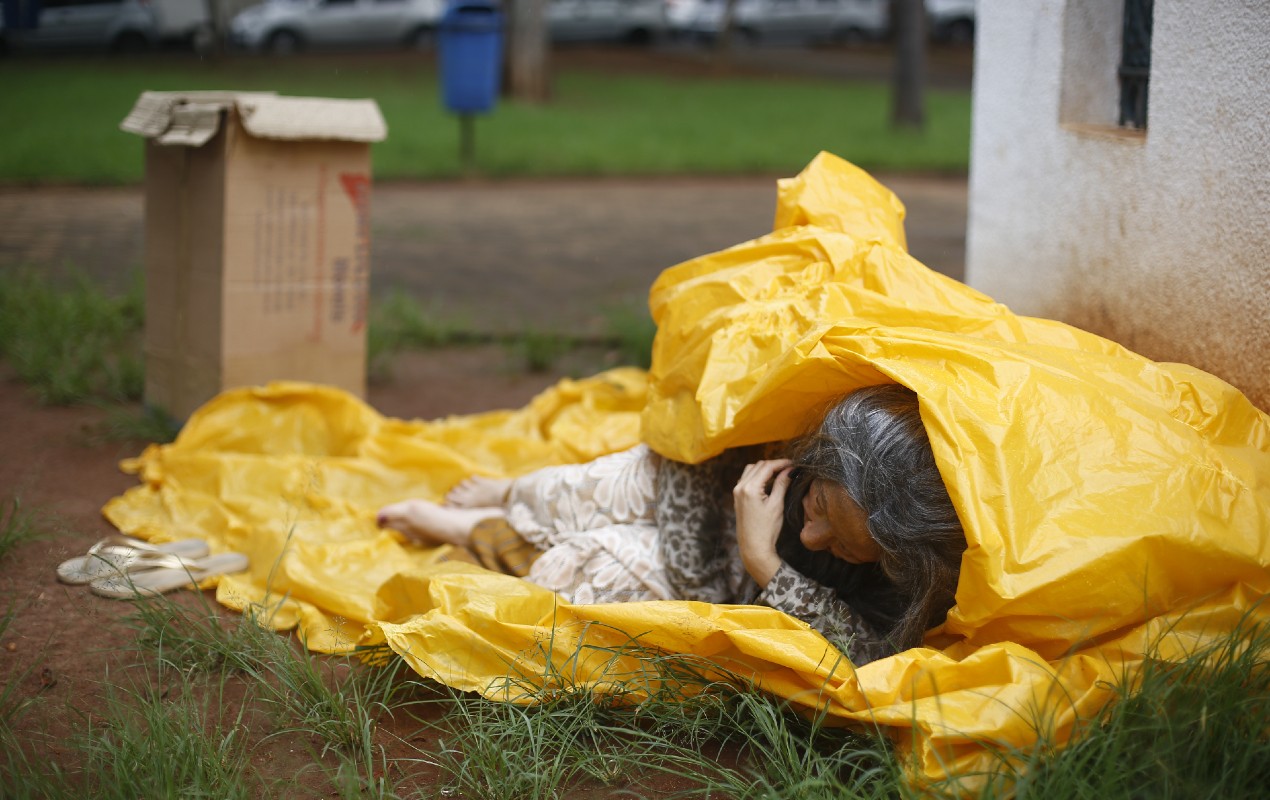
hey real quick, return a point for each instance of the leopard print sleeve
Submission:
(799, 596)
(690, 523)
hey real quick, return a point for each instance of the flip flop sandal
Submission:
(159, 580)
(118, 555)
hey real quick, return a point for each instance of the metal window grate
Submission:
(1135, 62)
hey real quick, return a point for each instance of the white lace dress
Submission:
(601, 539)
(596, 527)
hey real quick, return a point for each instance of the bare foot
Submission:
(478, 491)
(429, 523)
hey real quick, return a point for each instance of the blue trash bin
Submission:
(470, 41)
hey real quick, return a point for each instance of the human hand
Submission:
(759, 513)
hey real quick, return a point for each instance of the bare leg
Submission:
(429, 523)
(478, 491)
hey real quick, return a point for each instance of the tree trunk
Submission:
(725, 45)
(213, 40)
(527, 72)
(908, 108)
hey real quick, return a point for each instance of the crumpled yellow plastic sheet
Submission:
(1113, 506)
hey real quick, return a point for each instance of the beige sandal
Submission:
(174, 575)
(119, 555)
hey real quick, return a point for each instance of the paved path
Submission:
(506, 255)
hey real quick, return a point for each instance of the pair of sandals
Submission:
(124, 568)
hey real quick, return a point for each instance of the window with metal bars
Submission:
(1135, 62)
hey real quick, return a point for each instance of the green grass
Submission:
(168, 737)
(71, 342)
(292, 681)
(18, 525)
(1194, 728)
(538, 350)
(399, 322)
(12, 706)
(335, 704)
(631, 331)
(134, 423)
(677, 717)
(597, 124)
(22, 773)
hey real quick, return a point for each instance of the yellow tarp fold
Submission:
(1112, 505)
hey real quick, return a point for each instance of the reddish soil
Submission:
(66, 646)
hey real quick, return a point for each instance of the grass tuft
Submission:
(23, 774)
(157, 740)
(538, 351)
(399, 322)
(138, 423)
(18, 525)
(619, 720)
(643, 719)
(631, 331)
(335, 698)
(1197, 727)
(11, 704)
(72, 343)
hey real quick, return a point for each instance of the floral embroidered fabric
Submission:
(634, 526)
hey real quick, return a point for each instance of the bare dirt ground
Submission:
(514, 255)
(496, 255)
(68, 646)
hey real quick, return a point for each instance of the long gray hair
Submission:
(873, 445)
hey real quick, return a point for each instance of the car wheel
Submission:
(850, 36)
(961, 31)
(130, 42)
(423, 38)
(284, 42)
(639, 37)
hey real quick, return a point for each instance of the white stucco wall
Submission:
(1160, 242)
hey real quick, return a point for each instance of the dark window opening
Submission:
(1135, 62)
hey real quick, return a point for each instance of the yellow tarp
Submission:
(1112, 504)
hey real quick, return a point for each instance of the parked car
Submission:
(861, 20)
(634, 21)
(951, 21)
(185, 22)
(118, 25)
(791, 20)
(680, 15)
(285, 26)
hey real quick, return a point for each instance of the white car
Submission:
(861, 20)
(117, 25)
(633, 21)
(791, 20)
(951, 20)
(680, 15)
(285, 26)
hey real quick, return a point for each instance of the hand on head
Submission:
(759, 497)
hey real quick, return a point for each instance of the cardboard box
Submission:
(257, 260)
